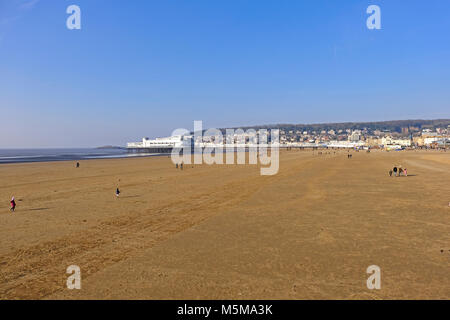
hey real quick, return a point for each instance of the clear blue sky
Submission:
(144, 68)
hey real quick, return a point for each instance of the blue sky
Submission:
(145, 68)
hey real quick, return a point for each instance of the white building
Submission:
(389, 141)
(355, 136)
(168, 142)
(439, 140)
(346, 144)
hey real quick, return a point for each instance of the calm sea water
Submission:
(39, 155)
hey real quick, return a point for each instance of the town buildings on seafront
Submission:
(343, 138)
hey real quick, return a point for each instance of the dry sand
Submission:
(226, 232)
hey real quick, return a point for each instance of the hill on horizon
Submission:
(391, 125)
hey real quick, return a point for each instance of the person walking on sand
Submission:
(181, 166)
(406, 172)
(13, 205)
(117, 192)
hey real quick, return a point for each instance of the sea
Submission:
(41, 155)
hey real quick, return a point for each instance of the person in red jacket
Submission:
(13, 205)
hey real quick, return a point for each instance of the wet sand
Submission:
(226, 232)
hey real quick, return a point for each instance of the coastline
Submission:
(11, 156)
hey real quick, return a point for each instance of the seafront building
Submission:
(159, 145)
(364, 138)
(389, 141)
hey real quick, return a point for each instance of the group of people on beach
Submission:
(13, 200)
(398, 171)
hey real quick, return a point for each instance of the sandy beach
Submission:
(225, 231)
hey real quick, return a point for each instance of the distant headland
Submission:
(110, 147)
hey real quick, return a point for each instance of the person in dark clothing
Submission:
(78, 164)
(117, 192)
(13, 205)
